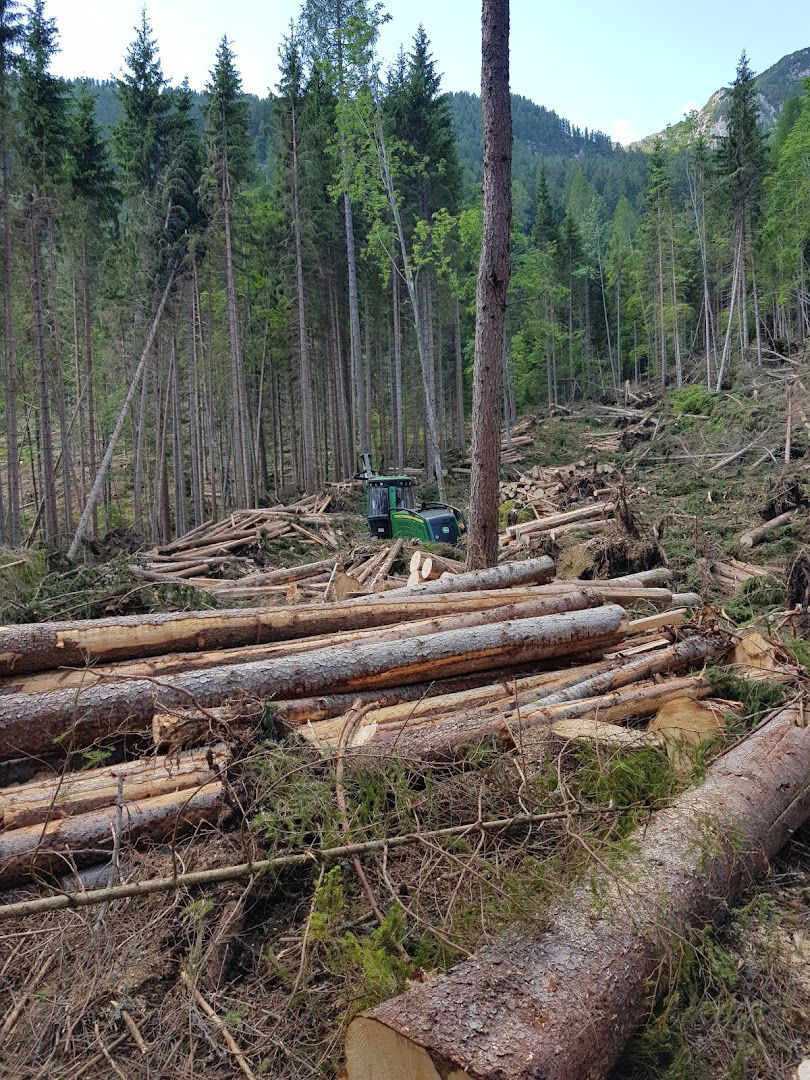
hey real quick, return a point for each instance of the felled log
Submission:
(40, 646)
(601, 733)
(442, 740)
(30, 724)
(284, 575)
(756, 536)
(157, 667)
(552, 521)
(77, 841)
(514, 1011)
(507, 575)
(523, 694)
(80, 792)
(294, 712)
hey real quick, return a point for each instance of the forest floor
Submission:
(285, 961)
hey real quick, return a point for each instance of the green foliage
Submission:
(757, 596)
(140, 137)
(42, 101)
(642, 779)
(37, 593)
(695, 399)
(756, 695)
(371, 964)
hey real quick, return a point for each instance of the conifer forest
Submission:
(404, 561)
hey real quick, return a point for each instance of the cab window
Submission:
(405, 497)
(378, 501)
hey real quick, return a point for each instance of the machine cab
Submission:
(387, 493)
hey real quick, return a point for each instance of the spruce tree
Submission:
(544, 229)
(742, 161)
(228, 155)
(140, 138)
(11, 34)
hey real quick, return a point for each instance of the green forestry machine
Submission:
(392, 511)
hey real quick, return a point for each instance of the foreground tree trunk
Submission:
(514, 1011)
(493, 284)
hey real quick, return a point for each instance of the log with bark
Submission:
(507, 575)
(756, 536)
(52, 722)
(78, 840)
(157, 667)
(514, 1011)
(39, 646)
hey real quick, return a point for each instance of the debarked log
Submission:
(157, 667)
(40, 723)
(74, 793)
(423, 739)
(532, 692)
(559, 1001)
(40, 646)
(78, 841)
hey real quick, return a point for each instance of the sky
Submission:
(627, 68)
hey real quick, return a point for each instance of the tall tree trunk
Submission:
(304, 366)
(461, 434)
(12, 449)
(243, 482)
(119, 424)
(45, 430)
(179, 472)
(88, 368)
(361, 413)
(396, 380)
(493, 284)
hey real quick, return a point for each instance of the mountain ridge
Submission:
(775, 86)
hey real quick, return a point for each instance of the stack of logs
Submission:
(226, 558)
(499, 653)
(592, 518)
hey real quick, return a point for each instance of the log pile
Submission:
(229, 559)
(732, 575)
(453, 659)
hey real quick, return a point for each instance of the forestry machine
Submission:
(392, 511)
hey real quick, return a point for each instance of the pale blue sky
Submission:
(627, 68)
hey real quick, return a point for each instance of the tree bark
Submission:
(156, 667)
(119, 424)
(493, 284)
(76, 841)
(514, 1011)
(32, 724)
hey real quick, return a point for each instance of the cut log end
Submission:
(374, 1051)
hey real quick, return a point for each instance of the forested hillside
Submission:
(211, 299)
